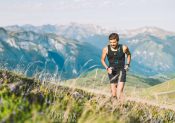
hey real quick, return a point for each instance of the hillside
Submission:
(29, 53)
(165, 90)
(98, 79)
(28, 100)
(163, 87)
(147, 89)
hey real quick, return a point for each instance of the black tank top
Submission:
(116, 58)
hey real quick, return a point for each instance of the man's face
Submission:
(113, 43)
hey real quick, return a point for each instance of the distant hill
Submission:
(163, 93)
(164, 90)
(164, 87)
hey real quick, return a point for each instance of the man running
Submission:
(117, 68)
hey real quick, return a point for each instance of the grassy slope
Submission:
(132, 80)
(137, 87)
(98, 79)
(164, 90)
(27, 100)
(164, 87)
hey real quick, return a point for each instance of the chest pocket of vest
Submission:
(119, 56)
(116, 57)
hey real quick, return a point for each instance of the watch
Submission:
(128, 65)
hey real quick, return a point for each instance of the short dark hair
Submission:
(114, 36)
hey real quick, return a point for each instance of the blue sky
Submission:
(117, 14)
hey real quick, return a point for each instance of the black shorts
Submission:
(117, 76)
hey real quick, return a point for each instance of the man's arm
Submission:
(127, 52)
(103, 57)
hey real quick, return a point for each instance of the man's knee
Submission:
(113, 85)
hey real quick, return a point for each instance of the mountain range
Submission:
(33, 52)
(151, 47)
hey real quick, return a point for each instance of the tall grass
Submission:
(29, 100)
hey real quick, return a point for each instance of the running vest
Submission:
(116, 58)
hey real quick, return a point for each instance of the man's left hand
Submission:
(126, 67)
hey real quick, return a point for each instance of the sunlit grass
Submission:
(28, 100)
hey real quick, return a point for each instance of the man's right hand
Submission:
(109, 69)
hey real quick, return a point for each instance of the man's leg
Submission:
(114, 89)
(120, 88)
(121, 84)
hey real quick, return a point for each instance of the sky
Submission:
(112, 14)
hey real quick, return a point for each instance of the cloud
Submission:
(60, 4)
(81, 4)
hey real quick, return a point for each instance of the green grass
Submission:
(163, 87)
(100, 75)
(139, 87)
(98, 80)
(29, 100)
(164, 91)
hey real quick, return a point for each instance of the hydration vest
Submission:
(116, 58)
